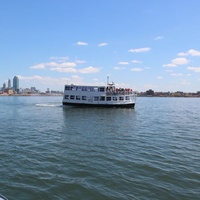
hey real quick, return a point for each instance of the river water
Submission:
(51, 152)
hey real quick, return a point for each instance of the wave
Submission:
(47, 105)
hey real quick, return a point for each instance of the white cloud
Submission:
(158, 38)
(169, 65)
(191, 52)
(185, 82)
(136, 61)
(195, 69)
(80, 61)
(55, 66)
(61, 65)
(139, 50)
(159, 77)
(42, 80)
(88, 70)
(182, 54)
(52, 83)
(102, 44)
(194, 52)
(118, 68)
(60, 69)
(176, 74)
(136, 69)
(180, 61)
(38, 66)
(123, 63)
(58, 58)
(177, 61)
(66, 67)
(82, 43)
(27, 78)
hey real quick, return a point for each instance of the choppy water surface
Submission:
(50, 152)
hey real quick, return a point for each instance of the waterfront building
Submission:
(8, 91)
(16, 84)
(150, 92)
(26, 91)
(48, 91)
(33, 89)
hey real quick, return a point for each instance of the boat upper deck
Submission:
(110, 89)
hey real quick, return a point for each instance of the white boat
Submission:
(99, 96)
(2, 197)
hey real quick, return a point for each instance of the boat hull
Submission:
(129, 105)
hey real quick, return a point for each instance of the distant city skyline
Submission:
(139, 44)
(12, 85)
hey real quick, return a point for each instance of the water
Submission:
(50, 152)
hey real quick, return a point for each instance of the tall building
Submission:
(9, 83)
(4, 86)
(16, 84)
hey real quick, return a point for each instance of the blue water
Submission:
(50, 152)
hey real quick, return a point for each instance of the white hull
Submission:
(98, 96)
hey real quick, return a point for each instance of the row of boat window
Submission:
(90, 89)
(98, 98)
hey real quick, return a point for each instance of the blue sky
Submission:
(139, 43)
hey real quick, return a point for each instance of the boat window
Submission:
(88, 89)
(127, 97)
(73, 88)
(108, 98)
(78, 97)
(101, 89)
(121, 98)
(67, 87)
(91, 89)
(102, 98)
(72, 97)
(96, 89)
(96, 98)
(83, 97)
(66, 96)
(84, 89)
(79, 88)
(114, 98)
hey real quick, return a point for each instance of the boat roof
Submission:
(76, 85)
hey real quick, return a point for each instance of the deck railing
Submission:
(119, 92)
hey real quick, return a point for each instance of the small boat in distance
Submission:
(99, 96)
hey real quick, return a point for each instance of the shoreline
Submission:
(56, 95)
(27, 95)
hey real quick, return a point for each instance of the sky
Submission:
(139, 44)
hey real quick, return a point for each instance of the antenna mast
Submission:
(107, 80)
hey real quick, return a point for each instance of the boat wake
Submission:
(48, 105)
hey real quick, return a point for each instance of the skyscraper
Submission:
(9, 83)
(16, 84)
(4, 86)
